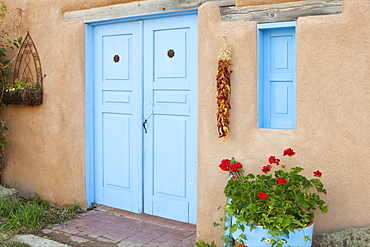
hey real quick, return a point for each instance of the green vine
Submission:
(8, 27)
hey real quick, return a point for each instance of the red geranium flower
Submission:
(225, 165)
(289, 152)
(317, 173)
(273, 160)
(281, 181)
(266, 169)
(262, 196)
(236, 167)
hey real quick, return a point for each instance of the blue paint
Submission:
(90, 175)
(276, 75)
(117, 115)
(170, 154)
(296, 238)
(153, 172)
(276, 25)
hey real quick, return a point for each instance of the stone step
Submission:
(35, 241)
(5, 192)
(352, 237)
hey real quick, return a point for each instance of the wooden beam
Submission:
(241, 3)
(139, 8)
(282, 11)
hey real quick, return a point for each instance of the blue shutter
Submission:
(277, 97)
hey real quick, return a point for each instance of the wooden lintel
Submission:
(139, 8)
(282, 11)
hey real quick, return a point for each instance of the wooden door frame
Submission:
(89, 94)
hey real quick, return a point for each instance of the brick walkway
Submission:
(111, 227)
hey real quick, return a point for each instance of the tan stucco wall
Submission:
(46, 144)
(333, 98)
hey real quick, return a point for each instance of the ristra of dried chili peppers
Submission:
(223, 91)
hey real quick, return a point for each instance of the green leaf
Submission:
(307, 238)
(299, 198)
(233, 228)
(242, 227)
(242, 236)
(324, 209)
(297, 169)
(252, 227)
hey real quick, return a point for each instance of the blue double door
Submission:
(145, 116)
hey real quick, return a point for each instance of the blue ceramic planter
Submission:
(295, 239)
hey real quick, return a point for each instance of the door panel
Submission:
(116, 70)
(117, 115)
(164, 41)
(170, 183)
(115, 139)
(170, 144)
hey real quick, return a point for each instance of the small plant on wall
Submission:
(24, 89)
(9, 28)
(24, 86)
(10, 41)
(3, 129)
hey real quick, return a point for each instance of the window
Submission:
(276, 75)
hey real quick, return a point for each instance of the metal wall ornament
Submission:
(170, 53)
(116, 58)
(27, 85)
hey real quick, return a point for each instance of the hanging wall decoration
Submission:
(26, 88)
(223, 91)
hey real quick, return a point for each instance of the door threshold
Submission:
(156, 220)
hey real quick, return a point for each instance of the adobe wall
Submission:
(333, 98)
(46, 144)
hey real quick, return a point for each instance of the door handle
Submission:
(144, 126)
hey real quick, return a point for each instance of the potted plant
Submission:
(279, 203)
(23, 92)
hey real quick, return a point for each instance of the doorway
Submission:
(144, 111)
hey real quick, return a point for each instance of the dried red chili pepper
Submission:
(223, 92)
